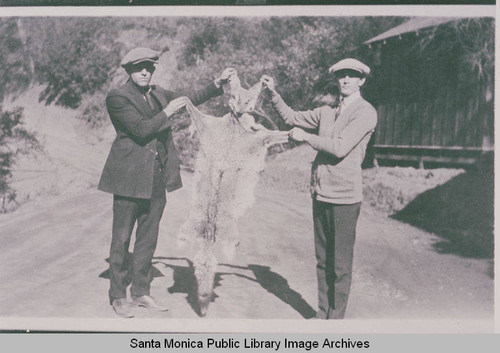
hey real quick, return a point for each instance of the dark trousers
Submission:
(334, 234)
(126, 212)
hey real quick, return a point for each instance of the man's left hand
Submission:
(224, 76)
(298, 135)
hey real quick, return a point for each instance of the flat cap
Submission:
(138, 55)
(350, 64)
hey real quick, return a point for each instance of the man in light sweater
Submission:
(341, 134)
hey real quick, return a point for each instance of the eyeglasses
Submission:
(149, 66)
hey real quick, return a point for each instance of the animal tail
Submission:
(205, 266)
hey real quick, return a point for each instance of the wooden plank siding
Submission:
(423, 107)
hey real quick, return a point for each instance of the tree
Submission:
(73, 56)
(14, 70)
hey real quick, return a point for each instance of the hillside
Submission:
(72, 155)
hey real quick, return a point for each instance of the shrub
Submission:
(14, 139)
(93, 110)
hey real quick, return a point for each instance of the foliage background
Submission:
(76, 59)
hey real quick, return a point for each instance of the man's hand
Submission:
(268, 83)
(224, 76)
(298, 135)
(175, 105)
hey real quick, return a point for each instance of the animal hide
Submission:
(231, 156)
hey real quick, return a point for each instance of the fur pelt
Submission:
(231, 156)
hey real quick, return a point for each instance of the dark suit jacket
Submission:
(129, 168)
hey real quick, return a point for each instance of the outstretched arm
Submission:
(350, 136)
(126, 114)
(212, 90)
(308, 119)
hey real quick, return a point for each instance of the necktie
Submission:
(150, 101)
(340, 107)
(159, 151)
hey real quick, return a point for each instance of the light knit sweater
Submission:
(341, 145)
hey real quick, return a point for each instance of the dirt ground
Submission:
(55, 246)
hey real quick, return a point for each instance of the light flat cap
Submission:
(138, 55)
(350, 64)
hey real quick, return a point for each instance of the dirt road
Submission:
(53, 260)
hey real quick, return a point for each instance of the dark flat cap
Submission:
(350, 64)
(138, 55)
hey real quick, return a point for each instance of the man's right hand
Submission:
(176, 105)
(268, 83)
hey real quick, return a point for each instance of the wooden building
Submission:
(433, 90)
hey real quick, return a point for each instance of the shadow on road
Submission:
(277, 285)
(185, 282)
(460, 212)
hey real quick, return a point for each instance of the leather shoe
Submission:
(122, 308)
(147, 302)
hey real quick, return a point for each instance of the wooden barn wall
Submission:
(421, 103)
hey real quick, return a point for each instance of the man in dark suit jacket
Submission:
(142, 163)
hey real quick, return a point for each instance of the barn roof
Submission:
(412, 25)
